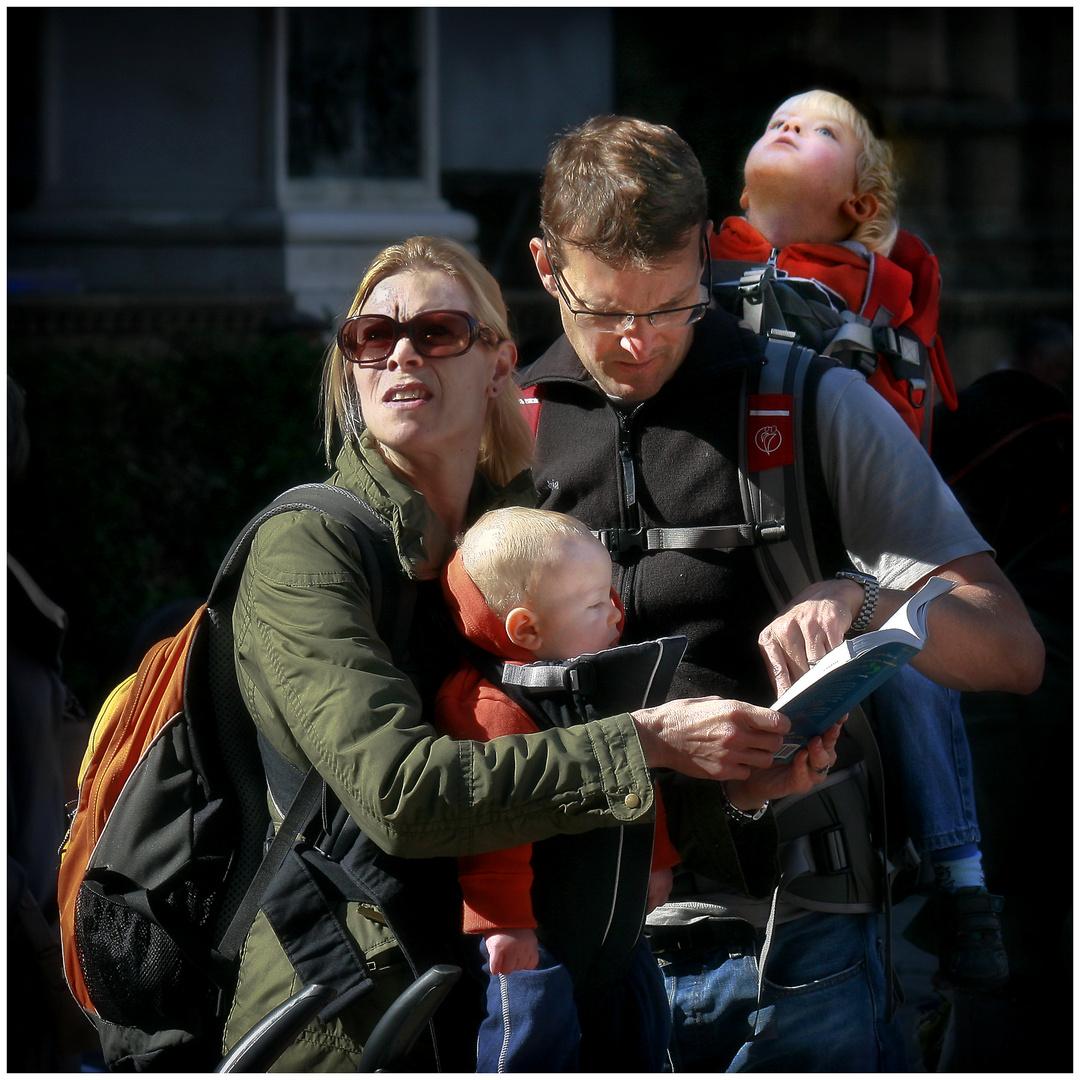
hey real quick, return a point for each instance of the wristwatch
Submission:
(741, 816)
(866, 612)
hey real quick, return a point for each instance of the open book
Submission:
(847, 674)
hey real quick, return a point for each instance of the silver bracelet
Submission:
(870, 598)
(741, 816)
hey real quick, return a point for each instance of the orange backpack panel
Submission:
(130, 720)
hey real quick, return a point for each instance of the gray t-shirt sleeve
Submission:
(899, 520)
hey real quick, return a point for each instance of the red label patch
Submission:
(770, 431)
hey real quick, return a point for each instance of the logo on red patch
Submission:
(770, 432)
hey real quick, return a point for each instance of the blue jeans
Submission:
(533, 1023)
(925, 751)
(823, 1006)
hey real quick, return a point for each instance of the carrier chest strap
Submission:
(707, 537)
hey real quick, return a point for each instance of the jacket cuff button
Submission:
(632, 801)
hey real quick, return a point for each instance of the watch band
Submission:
(741, 816)
(870, 598)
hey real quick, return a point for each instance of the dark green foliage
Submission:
(144, 464)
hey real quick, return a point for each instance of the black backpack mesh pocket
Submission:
(135, 971)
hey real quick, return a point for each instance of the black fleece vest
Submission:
(669, 462)
(672, 462)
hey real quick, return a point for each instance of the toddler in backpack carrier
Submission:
(820, 253)
(821, 216)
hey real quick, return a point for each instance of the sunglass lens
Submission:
(368, 339)
(440, 333)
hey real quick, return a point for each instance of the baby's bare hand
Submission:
(516, 949)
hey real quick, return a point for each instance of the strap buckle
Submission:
(771, 532)
(830, 851)
(621, 541)
(579, 678)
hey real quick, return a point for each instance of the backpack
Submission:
(163, 867)
(892, 339)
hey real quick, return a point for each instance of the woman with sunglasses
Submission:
(418, 387)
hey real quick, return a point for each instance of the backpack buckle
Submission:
(771, 532)
(830, 851)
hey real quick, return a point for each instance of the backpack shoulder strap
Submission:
(776, 486)
(392, 603)
(772, 464)
(392, 606)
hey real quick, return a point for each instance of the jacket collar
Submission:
(472, 616)
(422, 542)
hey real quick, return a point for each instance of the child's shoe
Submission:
(971, 951)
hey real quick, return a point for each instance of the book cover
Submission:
(854, 669)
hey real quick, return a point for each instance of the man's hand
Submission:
(806, 770)
(979, 636)
(512, 950)
(712, 737)
(814, 623)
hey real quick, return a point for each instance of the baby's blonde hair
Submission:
(874, 170)
(507, 550)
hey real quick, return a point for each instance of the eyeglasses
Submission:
(369, 340)
(619, 322)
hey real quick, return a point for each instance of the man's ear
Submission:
(860, 208)
(522, 630)
(543, 267)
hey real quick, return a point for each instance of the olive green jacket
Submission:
(323, 689)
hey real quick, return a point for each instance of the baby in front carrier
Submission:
(556, 926)
(820, 201)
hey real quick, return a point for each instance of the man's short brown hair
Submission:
(628, 192)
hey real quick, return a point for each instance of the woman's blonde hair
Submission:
(874, 169)
(507, 551)
(506, 442)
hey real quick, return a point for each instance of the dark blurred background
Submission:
(193, 194)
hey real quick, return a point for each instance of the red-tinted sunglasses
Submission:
(369, 340)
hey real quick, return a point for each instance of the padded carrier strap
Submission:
(236, 727)
(311, 931)
(834, 838)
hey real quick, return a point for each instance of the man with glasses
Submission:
(638, 435)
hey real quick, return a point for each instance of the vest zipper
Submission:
(630, 513)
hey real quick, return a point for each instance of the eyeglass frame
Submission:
(563, 288)
(476, 331)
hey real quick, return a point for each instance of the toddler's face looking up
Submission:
(805, 154)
